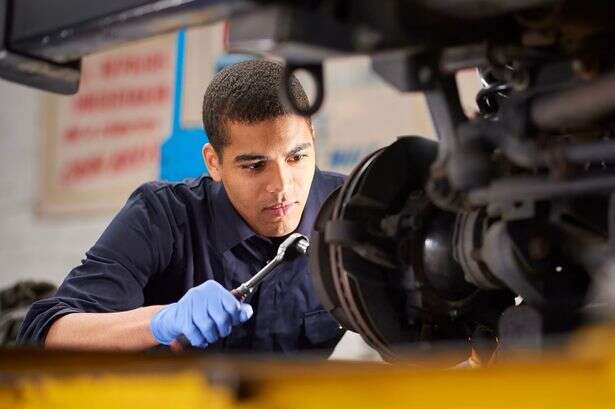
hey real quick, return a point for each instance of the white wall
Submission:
(32, 248)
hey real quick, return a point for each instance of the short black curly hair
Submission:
(247, 92)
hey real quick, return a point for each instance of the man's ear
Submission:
(212, 161)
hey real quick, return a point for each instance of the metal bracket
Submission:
(34, 72)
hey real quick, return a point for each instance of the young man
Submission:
(165, 265)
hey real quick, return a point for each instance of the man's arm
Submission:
(203, 315)
(120, 331)
(100, 301)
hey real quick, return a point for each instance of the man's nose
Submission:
(279, 179)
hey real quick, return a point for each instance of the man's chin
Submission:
(281, 228)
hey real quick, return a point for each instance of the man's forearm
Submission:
(126, 331)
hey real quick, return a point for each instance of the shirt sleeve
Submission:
(137, 244)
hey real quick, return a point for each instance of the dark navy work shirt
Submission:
(169, 238)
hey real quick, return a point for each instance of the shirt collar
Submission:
(230, 227)
(232, 230)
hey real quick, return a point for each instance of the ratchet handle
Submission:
(241, 293)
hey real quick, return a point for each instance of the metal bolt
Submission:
(425, 74)
(415, 286)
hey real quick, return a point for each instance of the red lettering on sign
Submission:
(132, 157)
(82, 168)
(121, 99)
(131, 65)
(117, 162)
(112, 130)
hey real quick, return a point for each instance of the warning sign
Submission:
(101, 143)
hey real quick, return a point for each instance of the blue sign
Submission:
(180, 155)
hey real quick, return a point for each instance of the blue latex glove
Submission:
(203, 315)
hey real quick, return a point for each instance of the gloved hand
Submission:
(204, 314)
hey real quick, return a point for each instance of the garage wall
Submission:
(31, 247)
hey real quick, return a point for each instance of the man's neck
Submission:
(278, 240)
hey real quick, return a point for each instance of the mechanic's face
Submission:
(267, 170)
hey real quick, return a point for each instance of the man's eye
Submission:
(297, 158)
(253, 166)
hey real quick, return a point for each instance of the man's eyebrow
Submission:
(299, 148)
(251, 157)
(247, 157)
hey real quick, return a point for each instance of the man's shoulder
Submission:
(330, 180)
(186, 190)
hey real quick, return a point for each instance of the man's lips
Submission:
(279, 209)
